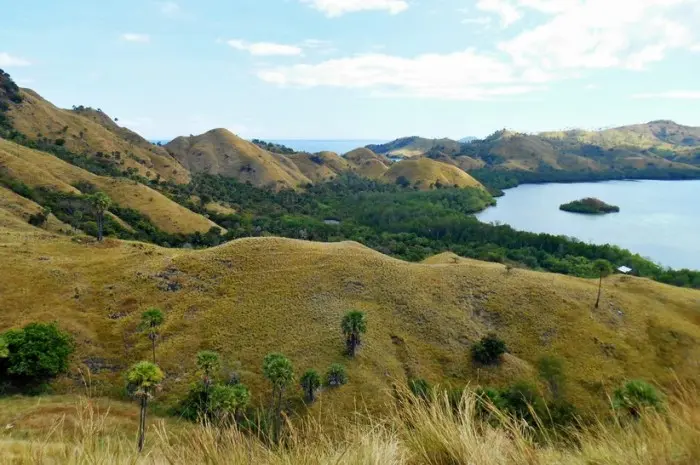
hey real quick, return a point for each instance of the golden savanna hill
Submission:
(368, 164)
(426, 173)
(219, 151)
(40, 169)
(94, 134)
(254, 296)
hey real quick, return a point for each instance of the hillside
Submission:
(426, 173)
(408, 147)
(94, 134)
(40, 169)
(221, 152)
(366, 163)
(259, 295)
(321, 166)
(661, 133)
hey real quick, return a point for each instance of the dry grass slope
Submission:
(426, 173)
(221, 152)
(410, 432)
(254, 296)
(321, 166)
(36, 169)
(366, 163)
(89, 132)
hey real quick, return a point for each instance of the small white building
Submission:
(624, 270)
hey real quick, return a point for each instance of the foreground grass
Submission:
(413, 432)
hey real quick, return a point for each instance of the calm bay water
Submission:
(659, 220)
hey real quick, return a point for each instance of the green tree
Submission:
(151, 320)
(336, 375)
(279, 371)
(226, 402)
(144, 378)
(637, 396)
(208, 363)
(551, 371)
(100, 203)
(604, 269)
(37, 352)
(310, 382)
(354, 324)
(488, 350)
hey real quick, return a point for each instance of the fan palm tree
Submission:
(144, 377)
(151, 319)
(604, 268)
(354, 324)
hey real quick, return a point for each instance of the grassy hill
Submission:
(427, 173)
(408, 147)
(366, 163)
(93, 134)
(321, 166)
(221, 152)
(40, 169)
(259, 295)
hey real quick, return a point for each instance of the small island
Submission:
(589, 206)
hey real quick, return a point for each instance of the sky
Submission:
(360, 69)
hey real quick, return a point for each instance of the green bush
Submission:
(336, 375)
(636, 397)
(37, 353)
(420, 388)
(488, 350)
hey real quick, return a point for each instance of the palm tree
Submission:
(279, 371)
(151, 319)
(145, 377)
(353, 325)
(208, 363)
(100, 203)
(604, 268)
(310, 382)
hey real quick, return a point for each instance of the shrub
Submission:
(336, 376)
(637, 396)
(420, 388)
(488, 350)
(310, 382)
(38, 352)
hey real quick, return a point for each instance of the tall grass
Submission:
(413, 432)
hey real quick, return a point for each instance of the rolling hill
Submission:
(40, 169)
(409, 147)
(426, 173)
(254, 296)
(366, 163)
(221, 152)
(321, 166)
(94, 134)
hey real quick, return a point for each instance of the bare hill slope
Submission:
(219, 151)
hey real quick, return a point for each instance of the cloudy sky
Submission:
(375, 69)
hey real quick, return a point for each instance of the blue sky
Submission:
(374, 69)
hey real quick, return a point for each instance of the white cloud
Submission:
(603, 34)
(505, 9)
(462, 75)
(9, 61)
(572, 39)
(335, 8)
(695, 48)
(671, 94)
(478, 20)
(170, 9)
(133, 37)
(265, 48)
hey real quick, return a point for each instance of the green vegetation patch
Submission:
(589, 206)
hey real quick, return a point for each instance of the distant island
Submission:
(589, 206)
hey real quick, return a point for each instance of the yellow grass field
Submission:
(254, 296)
